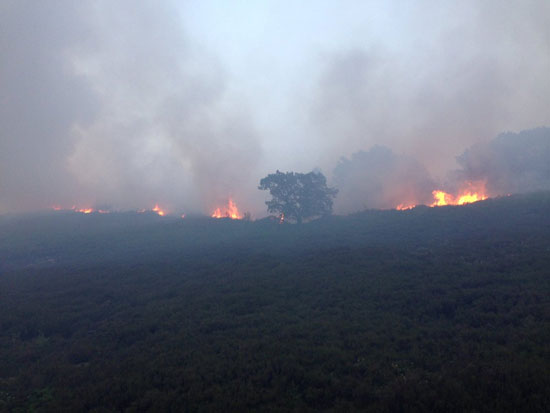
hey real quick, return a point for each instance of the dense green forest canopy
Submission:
(431, 309)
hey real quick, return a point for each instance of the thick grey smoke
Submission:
(115, 103)
(109, 103)
(380, 179)
(41, 99)
(510, 163)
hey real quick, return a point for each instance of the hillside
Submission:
(439, 309)
(68, 238)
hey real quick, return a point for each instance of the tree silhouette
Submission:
(298, 196)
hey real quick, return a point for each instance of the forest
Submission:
(430, 309)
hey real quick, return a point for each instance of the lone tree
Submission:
(298, 196)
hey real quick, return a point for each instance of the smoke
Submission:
(110, 103)
(129, 104)
(510, 163)
(380, 179)
(455, 74)
(41, 99)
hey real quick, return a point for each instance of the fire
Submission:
(470, 192)
(75, 209)
(159, 211)
(473, 192)
(441, 198)
(156, 209)
(403, 207)
(228, 211)
(469, 198)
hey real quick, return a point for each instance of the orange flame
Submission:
(403, 207)
(228, 211)
(156, 209)
(74, 208)
(159, 211)
(474, 192)
(441, 198)
(471, 192)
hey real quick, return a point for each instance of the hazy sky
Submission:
(129, 103)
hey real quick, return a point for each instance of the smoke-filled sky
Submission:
(130, 103)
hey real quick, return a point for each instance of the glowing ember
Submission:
(229, 211)
(85, 210)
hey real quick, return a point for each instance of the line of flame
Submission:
(473, 192)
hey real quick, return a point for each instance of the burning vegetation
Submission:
(404, 207)
(87, 210)
(471, 192)
(158, 210)
(228, 211)
(466, 197)
(380, 179)
(80, 210)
